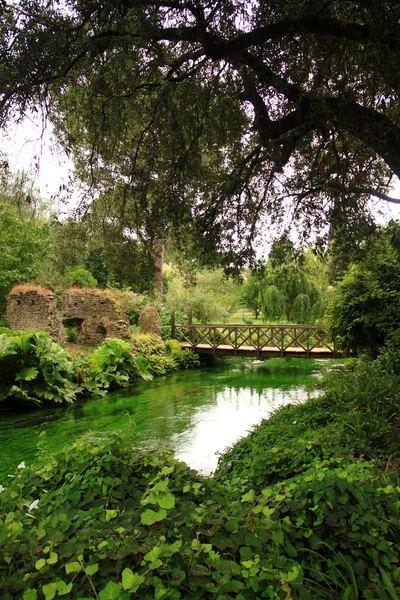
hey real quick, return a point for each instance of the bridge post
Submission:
(173, 328)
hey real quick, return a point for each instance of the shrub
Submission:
(162, 364)
(117, 365)
(166, 316)
(71, 333)
(34, 369)
(183, 357)
(99, 520)
(364, 316)
(148, 343)
(78, 277)
(132, 304)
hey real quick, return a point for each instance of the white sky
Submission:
(30, 146)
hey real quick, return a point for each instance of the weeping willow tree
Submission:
(288, 289)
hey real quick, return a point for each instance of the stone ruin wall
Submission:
(96, 313)
(102, 315)
(34, 307)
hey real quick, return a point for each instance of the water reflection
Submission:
(197, 413)
(231, 416)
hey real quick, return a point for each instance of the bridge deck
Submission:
(265, 352)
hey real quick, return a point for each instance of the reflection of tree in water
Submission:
(164, 413)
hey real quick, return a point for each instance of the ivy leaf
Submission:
(49, 590)
(249, 497)
(149, 517)
(30, 595)
(111, 514)
(91, 569)
(39, 564)
(53, 558)
(63, 588)
(73, 567)
(166, 501)
(112, 591)
(153, 557)
(131, 581)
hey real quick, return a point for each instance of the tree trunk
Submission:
(159, 259)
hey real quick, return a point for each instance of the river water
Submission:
(196, 413)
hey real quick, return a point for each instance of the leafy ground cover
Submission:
(35, 370)
(307, 506)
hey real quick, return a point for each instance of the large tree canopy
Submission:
(215, 114)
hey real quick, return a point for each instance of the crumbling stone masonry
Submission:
(149, 320)
(96, 313)
(34, 307)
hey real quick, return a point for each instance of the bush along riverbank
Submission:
(35, 370)
(307, 506)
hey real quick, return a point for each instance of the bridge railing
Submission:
(255, 337)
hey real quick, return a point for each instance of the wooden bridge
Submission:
(303, 341)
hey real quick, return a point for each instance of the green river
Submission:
(196, 413)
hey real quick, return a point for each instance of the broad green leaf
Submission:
(149, 517)
(119, 530)
(175, 547)
(63, 588)
(39, 564)
(112, 591)
(53, 558)
(73, 567)
(49, 590)
(153, 557)
(249, 497)
(131, 581)
(167, 470)
(166, 501)
(91, 569)
(111, 514)
(30, 595)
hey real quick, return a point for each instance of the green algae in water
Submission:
(197, 413)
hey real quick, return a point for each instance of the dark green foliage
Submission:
(25, 244)
(34, 369)
(242, 109)
(116, 365)
(132, 303)
(316, 523)
(290, 290)
(181, 318)
(365, 313)
(250, 293)
(183, 357)
(71, 332)
(96, 265)
(103, 515)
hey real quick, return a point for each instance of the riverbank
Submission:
(36, 371)
(305, 507)
(197, 412)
